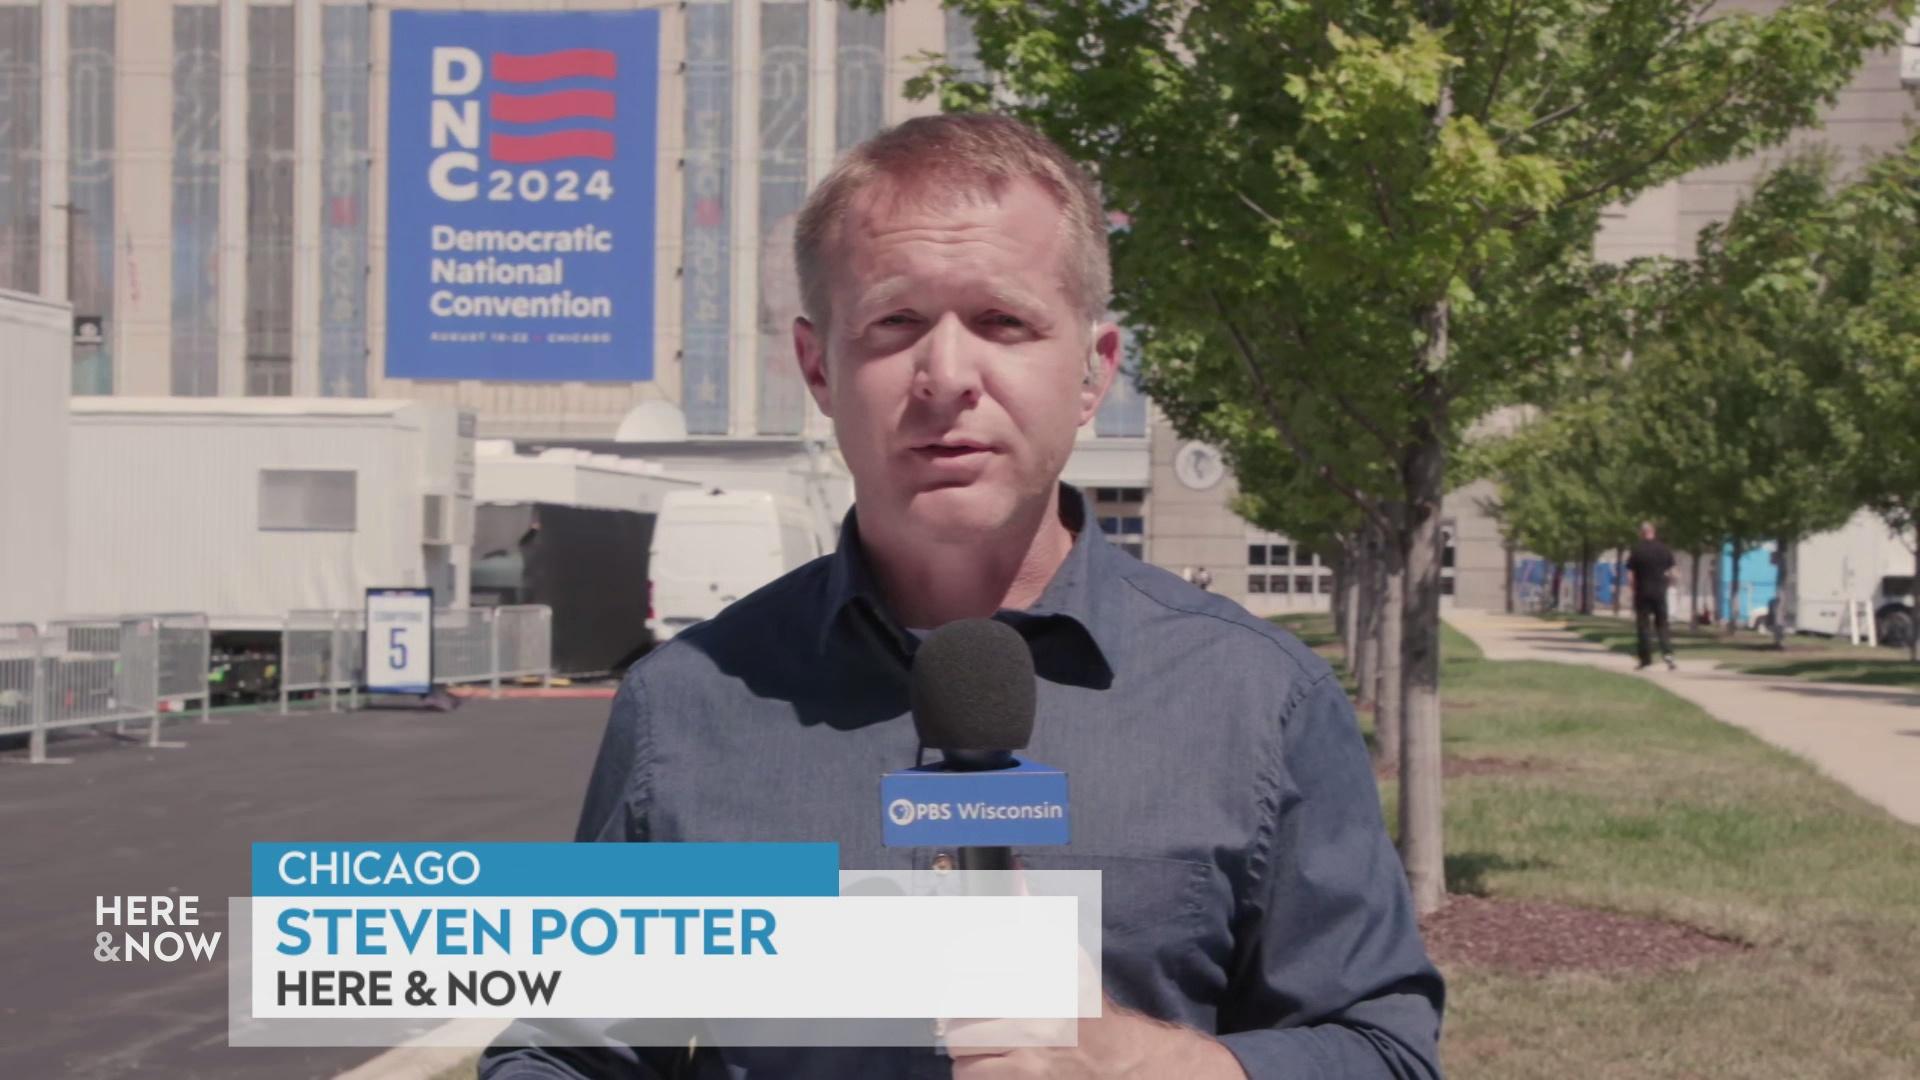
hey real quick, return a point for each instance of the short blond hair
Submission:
(957, 153)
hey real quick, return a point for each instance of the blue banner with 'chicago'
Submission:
(521, 195)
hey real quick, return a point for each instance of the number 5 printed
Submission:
(396, 649)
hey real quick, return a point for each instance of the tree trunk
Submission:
(1422, 834)
(1913, 595)
(1693, 601)
(1509, 555)
(1367, 603)
(1619, 581)
(1733, 589)
(1553, 594)
(1586, 577)
(1334, 600)
(1713, 586)
(1782, 589)
(1387, 695)
(1346, 582)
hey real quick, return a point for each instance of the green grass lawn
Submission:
(1815, 659)
(1648, 806)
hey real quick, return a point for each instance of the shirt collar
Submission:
(1072, 595)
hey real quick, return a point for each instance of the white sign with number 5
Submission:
(399, 641)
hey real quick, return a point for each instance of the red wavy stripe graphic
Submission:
(558, 105)
(531, 149)
(564, 64)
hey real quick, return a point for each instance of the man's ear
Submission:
(1103, 363)
(810, 348)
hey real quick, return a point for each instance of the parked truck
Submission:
(1861, 571)
(712, 547)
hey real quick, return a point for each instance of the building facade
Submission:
(217, 188)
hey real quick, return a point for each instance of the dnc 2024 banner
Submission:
(520, 224)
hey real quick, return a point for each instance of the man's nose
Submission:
(947, 369)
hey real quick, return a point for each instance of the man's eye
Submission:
(1005, 321)
(894, 320)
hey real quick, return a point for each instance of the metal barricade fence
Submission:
(326, 650)
(185, 644)
(93, 671)
(350, 655)
(19, 677)
(523, 642)
(463, 645)
(99, 671)
(307, 643)
(119, 669)
(322, 650)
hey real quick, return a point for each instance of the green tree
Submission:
(1366, 211)
(1744, 400)
(1278, 492)
(1567, 485)
(1873, 269)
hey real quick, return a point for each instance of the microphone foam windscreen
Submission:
(973, 687)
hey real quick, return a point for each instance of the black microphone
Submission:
(973, 694)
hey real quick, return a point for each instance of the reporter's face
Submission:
(955, 363)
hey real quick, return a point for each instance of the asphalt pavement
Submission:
(122, 819)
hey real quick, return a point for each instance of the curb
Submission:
(555, 693)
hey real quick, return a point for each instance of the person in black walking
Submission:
(1651, 566)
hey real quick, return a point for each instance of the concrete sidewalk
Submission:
(1866, 737)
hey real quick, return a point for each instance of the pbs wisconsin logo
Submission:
(901, 811)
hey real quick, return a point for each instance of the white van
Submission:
(713, 547)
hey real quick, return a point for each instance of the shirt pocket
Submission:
(1165, 942)
(1139, 894)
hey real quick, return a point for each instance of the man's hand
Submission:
(1118, 1044)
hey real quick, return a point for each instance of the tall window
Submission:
(860, 76)
(269, 310)
(343, 217)
(706, 284)
(20, 148)
(963, 47)
(196, 200)
(90, 195)
(1122, 518)
(783, 188)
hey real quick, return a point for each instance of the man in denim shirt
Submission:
(1256, 918)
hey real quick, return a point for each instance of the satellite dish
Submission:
(652, 422)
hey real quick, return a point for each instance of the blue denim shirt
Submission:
(1220, 785)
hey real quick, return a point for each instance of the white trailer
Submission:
(571, 477)
(1839, 581)
(248, 508)
(35, 379)
(713, 547)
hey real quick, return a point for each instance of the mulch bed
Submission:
(1533, 937)
(1451, 767)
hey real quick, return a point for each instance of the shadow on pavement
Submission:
(1880, 697)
